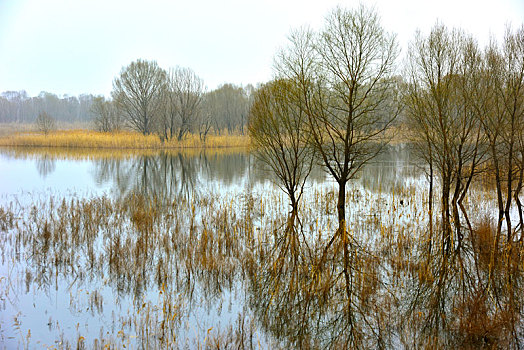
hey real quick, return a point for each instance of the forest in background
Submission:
(227, 104)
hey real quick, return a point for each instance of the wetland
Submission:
(192, 250)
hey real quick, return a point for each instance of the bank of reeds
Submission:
(118, 140)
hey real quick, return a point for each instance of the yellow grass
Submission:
(117, 140)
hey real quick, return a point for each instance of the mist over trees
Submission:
(222, 110)
(18, 107)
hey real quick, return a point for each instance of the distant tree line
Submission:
(145, 98)
(18, 107)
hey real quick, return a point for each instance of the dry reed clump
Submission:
(7, 219)
(483, 241)
(118, 140)
(480, 325)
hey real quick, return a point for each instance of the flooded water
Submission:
(188, 250)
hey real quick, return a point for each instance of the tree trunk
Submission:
(509, 190)
(498, 185)
(446, 219)
(430, 204)
(181, 133)
(516, 194)
(342, 232)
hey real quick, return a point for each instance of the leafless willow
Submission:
(45, 123)
(138, 94)
(182, 103)
(106, 115)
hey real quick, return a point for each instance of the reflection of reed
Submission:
(108, 153)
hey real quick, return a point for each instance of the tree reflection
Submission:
(405, 290)
(167, 174)
(45, 164)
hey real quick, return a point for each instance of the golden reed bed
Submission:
(118, 140)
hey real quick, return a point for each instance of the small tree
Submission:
(106, 116)
(277, 126)
(45, 123)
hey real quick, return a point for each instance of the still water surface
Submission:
(167, 249)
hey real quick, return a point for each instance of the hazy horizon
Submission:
(73, 48)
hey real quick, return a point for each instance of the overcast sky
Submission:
(79, 46)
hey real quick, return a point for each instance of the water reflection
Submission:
(196, 251)
(167, 175)
(45, 165)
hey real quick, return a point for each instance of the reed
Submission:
(82, 138)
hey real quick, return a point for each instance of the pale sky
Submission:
(79, 46)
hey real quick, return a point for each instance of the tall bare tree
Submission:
(183, 99)
(442, 72)
(138, 93)
(277, 126)
(345, 77)
(510, 94)
(345, 74)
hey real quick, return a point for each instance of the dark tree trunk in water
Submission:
(293, 214)
(342, 232)
(518, 189)
(446, 222)
(430, 204)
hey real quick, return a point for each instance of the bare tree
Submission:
(344, 73)
(277, 126)
(446, 129)
(183, 98)
(345, 77)
(205, 117)
(45, 123)
(106, 115)
(510, 96)
(138, 93)
(230, 105)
